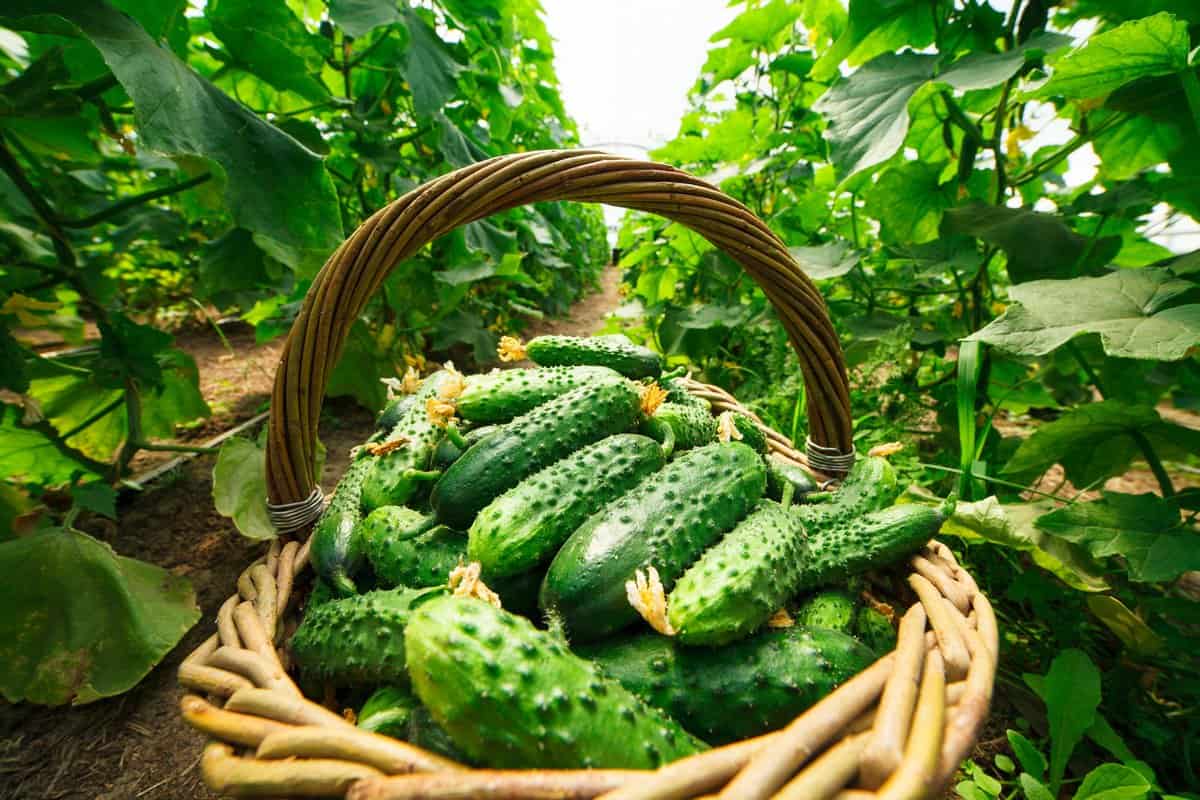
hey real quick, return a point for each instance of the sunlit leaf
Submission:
(31, 454)
(266, 37)
(360, 17)
(1112, 782)
(875, 27)
(81, 622)
(1072, 694)
(826, 261)
(240, 488)
(1134, 312)
(430, 69)
(759, 26)
(985, 70)
(1131, 629)
(909, 203)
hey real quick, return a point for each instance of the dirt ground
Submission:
(136, 746)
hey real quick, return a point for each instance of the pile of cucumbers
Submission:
(587, 493)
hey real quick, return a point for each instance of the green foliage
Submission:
(80, 622)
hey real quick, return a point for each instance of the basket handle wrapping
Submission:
(357, 268)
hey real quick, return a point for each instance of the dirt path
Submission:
(136, 747)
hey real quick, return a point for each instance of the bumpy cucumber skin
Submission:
(837, 552)
(447, 452)
(615, 352)
(320, 594)
(337, 548)
(752, 435)
(833, 609)
(525, 526)
(392, 482)
(676, 393)
(874, 630)
(531, 442)
(395, 711)
(740, 581)
(413, 561)
(734, 692)
(391, 415)
(871, 485)
(666, 521)
(502, 395)
(780, 473)
(514, 697)
(359, 640)
(683, 425)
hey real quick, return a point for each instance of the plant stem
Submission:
(174, 448)
(62, 245)
(1078, 141)
(1191, 90)
(136, 200)
(1139, 438)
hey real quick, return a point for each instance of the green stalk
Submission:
(969, 362)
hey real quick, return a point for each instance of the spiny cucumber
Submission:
(448, 449)
(337, 549)
(524, 527)
(680, 426)
(397, 474)
(833, 609)
(740, 690)
(357, 640)
(513, 696)
(748, 431)
(391, 415)
(665, 522)
(615, 352)
(874, 630)
(531, 442)
(870, 485)
(504, 394)
(395, 711)
(678, 393)
(740, 581)
(781, 473)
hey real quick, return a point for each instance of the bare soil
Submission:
(136, 746)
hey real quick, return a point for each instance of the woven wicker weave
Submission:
(897, 730)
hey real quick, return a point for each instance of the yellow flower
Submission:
(511, 349)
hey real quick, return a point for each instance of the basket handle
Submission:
(356, 269)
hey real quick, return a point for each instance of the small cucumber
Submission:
(397, 474)
(874, 630)
(357, 640)
(401, 559)
(678, 393)
(781, 473)
(871, 485)
(666, 521)
(391, 415)
(531, 442)
(501, 395)
(680, 426)
(526, 525)
(734, 692)
(513, 696)
(395, 711)
(740, 581)
(448, 450)
(337, 548)
(833, 609)
(615, 352)
(751, 434)
(839, 551)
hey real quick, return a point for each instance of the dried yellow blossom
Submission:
(465, 582)
(647, 596)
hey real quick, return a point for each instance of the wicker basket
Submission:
(899, 729)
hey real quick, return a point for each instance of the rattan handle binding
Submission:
(356, 269)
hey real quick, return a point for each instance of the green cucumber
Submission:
(874, 630)
(395, 711)
(751, 434)
(679, 426)
(426, 559)
(513, 696)
(838, 551)
(337, 548)
(501, 395)
(532, 442)
(781, 473)
(734, 692)
(526, 525)
(678, 393)
(833, 609)
(740, 581)
(391, 415)
(665, 522)
(870, 485)
(357, 640)
(448, 450)
(397, 474)
(615, 352)
(320, 594)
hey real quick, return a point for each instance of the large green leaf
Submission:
(1113, 782)
(1141, 48)
(826, 261)
(759, 26)
(1143, 529)
(33, 454)
(81, 622)
(269, 40)
(984, 70)
(1096, 441)
(430, 69)
(240, 488)
(1130, 309)
(1037, 245)
(867, 113)
(1134, 145)
(908, 202)
(360, 17)
(875, 27)
(274, 187)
